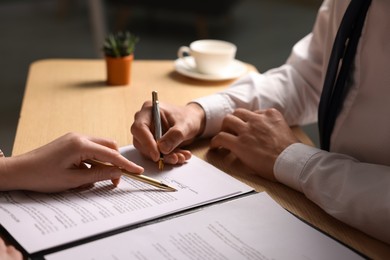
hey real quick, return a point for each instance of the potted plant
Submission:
(119, 53)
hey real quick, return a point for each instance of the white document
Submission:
(42, 221)
(252, 227)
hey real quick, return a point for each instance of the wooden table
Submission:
(71, 96)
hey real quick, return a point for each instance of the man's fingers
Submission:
(224, 140)
(171, 140)
(152, 152)
(244, 114)
(232, 124)
(177, 157)
(141, 129)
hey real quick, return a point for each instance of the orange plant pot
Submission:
(119, 70)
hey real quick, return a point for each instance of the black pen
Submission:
(157, 126)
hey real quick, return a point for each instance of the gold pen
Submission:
(138, 177)
(157, 126)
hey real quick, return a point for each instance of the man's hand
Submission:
(180, 127)
(256, 138)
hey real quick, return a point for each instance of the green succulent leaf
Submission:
(119, 44)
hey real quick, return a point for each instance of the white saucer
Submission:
(236, 69)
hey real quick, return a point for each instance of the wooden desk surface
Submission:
(71, 96)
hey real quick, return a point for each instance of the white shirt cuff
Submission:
(291, 163)
(216, 107)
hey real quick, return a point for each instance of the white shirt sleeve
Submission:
(354, 192)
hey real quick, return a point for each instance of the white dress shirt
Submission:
(352, 181)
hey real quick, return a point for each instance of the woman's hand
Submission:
(9, 252)
(59, 166)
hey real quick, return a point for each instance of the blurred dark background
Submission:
(263, 30)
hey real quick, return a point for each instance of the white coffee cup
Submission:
(210, 56)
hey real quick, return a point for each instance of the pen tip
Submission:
(168, 188)
(160, 164)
